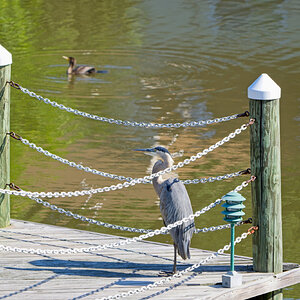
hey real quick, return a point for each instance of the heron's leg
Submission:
(170, 273)
(175, 259)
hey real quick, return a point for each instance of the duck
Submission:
(79, 70)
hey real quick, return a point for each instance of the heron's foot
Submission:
(166, 273)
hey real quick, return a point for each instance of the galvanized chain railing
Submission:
(127, 241)
(68, 213)
(122, 122)
(221, 227)
(66, 161)
(180, 273)
(134, 181)
(114, 176)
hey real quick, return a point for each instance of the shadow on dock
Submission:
(100, 268)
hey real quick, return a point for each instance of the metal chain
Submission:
(178, 274)
(71, 163)
(68, 213)
(127, 241)
(214, 228)
(134, 181)
(114, 176)
(216, 178)
(223, 226)
(122, 122)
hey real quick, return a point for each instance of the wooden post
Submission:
(5, 69)
(264, 95)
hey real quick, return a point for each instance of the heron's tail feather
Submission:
(184, 249)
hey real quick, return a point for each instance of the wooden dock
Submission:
(113, 271)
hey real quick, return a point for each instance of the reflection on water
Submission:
(167, 61)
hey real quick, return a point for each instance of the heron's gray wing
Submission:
(175, 205)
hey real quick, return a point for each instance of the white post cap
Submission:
(5, 57)
(264, 88)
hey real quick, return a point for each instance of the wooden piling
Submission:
(264, 95)
(5, 71)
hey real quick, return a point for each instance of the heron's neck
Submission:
(160, 165)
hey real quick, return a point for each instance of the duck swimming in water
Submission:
(79, 70)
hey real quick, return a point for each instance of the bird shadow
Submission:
(96, 268)
(90, 268)
(112, 269)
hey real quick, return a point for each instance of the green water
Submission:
(167, 61)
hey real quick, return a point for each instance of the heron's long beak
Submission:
(66, 57)
(146, 151)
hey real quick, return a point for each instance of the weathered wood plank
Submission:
(109, 272)
(263, 286)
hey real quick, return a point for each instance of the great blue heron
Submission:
(175, 203)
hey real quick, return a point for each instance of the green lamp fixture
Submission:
(233, 214)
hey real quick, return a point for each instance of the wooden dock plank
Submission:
(112, 271)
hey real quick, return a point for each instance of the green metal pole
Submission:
(5, 69)
(232, 248)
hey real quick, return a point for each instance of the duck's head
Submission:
(70, 59)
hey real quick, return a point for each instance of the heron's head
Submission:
(70, 59)
(159, 151)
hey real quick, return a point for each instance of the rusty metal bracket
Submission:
(249, 221)
(251, 121)
(252, 178)
(244, 114)
(13, 186)
(14, 84)
(14, 135)
(244, 172)
(252, 229)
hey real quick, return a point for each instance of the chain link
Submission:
(221, 227)
(73, 164)
(121, 243)
(129, 123)
(114, 176)
(68, 213)
(132, 182)
(212, 179)
(213, 228)
(178, 274)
